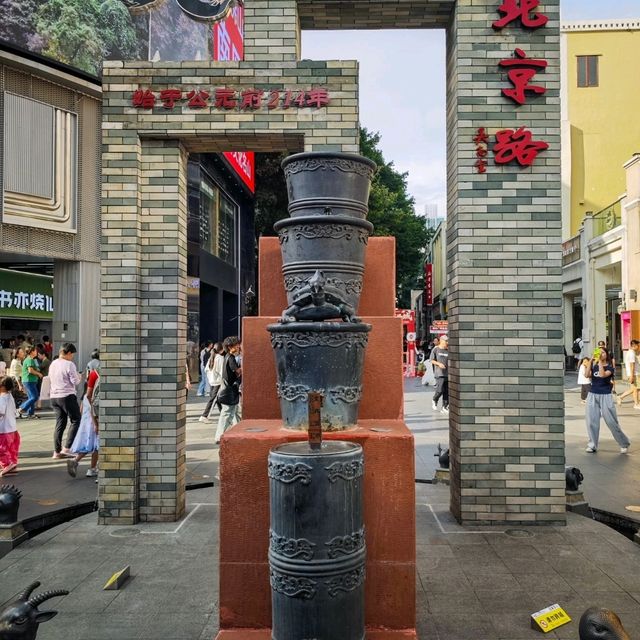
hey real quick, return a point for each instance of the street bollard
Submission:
(317, 542)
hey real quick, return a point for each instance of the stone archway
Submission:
(504, 228)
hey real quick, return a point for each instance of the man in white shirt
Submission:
(64, 378)
(632, 370)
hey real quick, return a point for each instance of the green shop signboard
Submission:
(25, 295)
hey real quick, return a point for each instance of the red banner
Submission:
(228, 44)
(428, 284)
(243, 163)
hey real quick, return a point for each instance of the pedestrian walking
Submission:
(229, 392)
(9, 436)
(87, 439)
(213, 371)
(583, 381)
(30, 376)
(44, 362)
(64, 379)
(576, 348)
(205, 354)
(600, 402)
(632, 372)
(15, 368)
(440, 361)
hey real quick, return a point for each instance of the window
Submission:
(588, 71)
(217, 222)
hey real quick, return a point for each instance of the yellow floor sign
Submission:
(550, 618)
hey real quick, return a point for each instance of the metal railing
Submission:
(608, 218)
(571, 250)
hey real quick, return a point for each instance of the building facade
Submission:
(50, 208)
(600, 134)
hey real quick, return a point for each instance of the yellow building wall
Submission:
(605, 120)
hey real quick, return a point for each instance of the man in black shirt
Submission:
(229, 392)
(440, 361)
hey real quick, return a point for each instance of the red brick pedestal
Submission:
(389, 505)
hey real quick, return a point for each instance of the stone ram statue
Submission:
(20, 618)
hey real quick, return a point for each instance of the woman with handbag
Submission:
(229, 392)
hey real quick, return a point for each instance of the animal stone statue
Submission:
(20, 619)
(601, 624)
(9, 504)
(573, 478)
(443, 457)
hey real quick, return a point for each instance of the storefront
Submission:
(26, 308)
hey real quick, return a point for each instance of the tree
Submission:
(391, 210)
(83, 33)
(17, 24)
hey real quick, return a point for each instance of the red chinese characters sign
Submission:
(428, 284)
(515, 145)
(243, 162)
(228, 99)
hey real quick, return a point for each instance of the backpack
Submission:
(576, 347)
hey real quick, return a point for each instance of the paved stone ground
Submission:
(612, 481)
(46, 486)
(472, 584)
(497, 579)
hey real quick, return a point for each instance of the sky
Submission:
(406, 103)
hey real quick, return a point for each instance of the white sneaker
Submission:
(434, 406)
(92, 473)
(624, 449)
(590, 450)
(445, 410)
(203, 419)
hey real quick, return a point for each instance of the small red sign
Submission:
(428, 284)
(481, 140)
(243, 163)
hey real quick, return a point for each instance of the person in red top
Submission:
(48, 346)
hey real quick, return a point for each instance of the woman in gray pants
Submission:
(600, 402)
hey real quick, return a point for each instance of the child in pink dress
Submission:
(9, 436)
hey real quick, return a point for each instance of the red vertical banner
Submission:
(228, 45)
(428, 284)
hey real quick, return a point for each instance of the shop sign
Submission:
(229, 99)
(515, 145)
(243, 163)
(228, 37)
(428, 284)
(439, 327)
(571, 250)
(25, 295)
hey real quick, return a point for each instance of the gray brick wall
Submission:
(504, 228)
(503, 235)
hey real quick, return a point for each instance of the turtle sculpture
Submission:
(601, 624)
(20, 618)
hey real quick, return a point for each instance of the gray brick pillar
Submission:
(271, 31)
(120, 326)
(505, 279)
(163, 330)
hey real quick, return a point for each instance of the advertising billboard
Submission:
(83, 33)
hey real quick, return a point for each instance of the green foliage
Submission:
(271, 193)
(84, 32)
(16, 21)
(391, 210)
